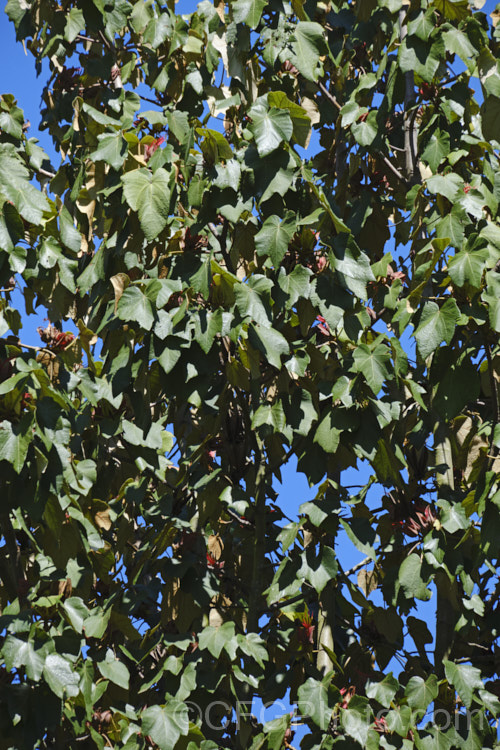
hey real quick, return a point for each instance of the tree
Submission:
(241, 301)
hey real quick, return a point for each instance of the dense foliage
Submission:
(242, 299)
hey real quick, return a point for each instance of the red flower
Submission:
(323, 326)
(213, 564)
(380, 724)
(306, 632)
(152, 147)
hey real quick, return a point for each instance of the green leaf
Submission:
(372, 363)
(295, 284)
(356, 719)
(274, 237)
(178, 123)
(491, 295)
(453, 517)
(420, 692)
(313, 702)
(252, 645)
(75, 23)
(77, 612)
(421, 26)
(11, 121)
(228, 175)
(215, 639)
(366, 130)
(135, 306)
(11, 231)
(114, 670)
(112, 149)
(300, 119)
(270, 342)
(410, 578)
(165, 724)
(16, 187)
(149, 195)
(273, 416)
(318, 569)
(270, 127)
(490, 111)
(437, 324)
(248, 11)
(327, 434)
(17, 653)
(135, 435)
(308, 45)
(458, 43)
(399, 720)
(214, 146)
(208, 325)
(449, 185)
(96, 624)
(275, 731)
(438, 147)
(14, 442)
(452, 226)
(457, 387)
(169, 357)
(464, 678)
(16, 10)
(61, 678)
(249, 299)
(158, 29)
(70, 236)
(352, 266)
(416, 56)
(384, 691)
(467, 266)
(362, 535)
(452, 10)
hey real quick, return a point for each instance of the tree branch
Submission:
(83, 38)
(394, 169)
(45, 173)
(496, 405)
(151, 101)
(358, 566)
(328, 95)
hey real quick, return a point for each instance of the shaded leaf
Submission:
(149, 195)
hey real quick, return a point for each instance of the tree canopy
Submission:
(274, 226)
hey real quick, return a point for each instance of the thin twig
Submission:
(240, 519)
(394, 169)
(286, 603)
(83, 38)
(45, 173)
(358, 566)
(151, 101)
(106, 41)
(328, 95)
(33, 348)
